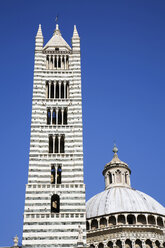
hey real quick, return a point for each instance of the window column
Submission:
(51, 116)
(54, 137)
(59, 137)
(59, 89)
(49, 89)
(57, 116)
(62, 112)
(64, 89)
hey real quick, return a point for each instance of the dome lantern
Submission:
(116, 172)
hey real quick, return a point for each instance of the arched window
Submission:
(56, 144)
(157, 244)
(138, 243)
(48, 117)
(151, 220)
(87, 225)
(141, 219)
(67, 90)
(160, 221)
(53, 174)
(148, 243)
(55, 204)
(52, 90)
(47, 90)
(131, 219)
(62, 144)
(118, 176)
(110, 244)
(94, 224)
(55, 62)
(59, 116)
(65, 116)
(110, 178)
(59, 62)
(50, 144)
(62, 90)
(128, 243)
(54, 117)
(126, 178)
(103, 222)
(57, 90)
(101, 245)
(112, 220)
(121, 219)
(59, 171)
(118, 244)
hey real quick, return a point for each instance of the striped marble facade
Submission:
(42, 227)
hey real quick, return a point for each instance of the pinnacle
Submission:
(39, 32)
(75, 33)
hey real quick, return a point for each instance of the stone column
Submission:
(65, 89)
(57, 61)
(62, 113)
(59, 138)
(54, 89)
(59, 89)
(53, 61)
(47, 64)
(49, 58)
(123, 243)
(49, 89)
(64, 61)
(57, 116)
(54, 138)
(61, 61)
(143, 244)
(51, 116)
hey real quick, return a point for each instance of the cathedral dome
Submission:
(119, 196)
(122, 199)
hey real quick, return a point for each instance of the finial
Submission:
(15, 239)
(115, 149)
(56, 20)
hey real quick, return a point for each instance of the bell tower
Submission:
(54, 214)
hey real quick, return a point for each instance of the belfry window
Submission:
(110, 178)
(59, 171)
(57, 61)
(62, 144)
(56, 143)
(57, 89)
(57, 116)
(56, 173)
(48, 116)
(50, 144)
(55, 204)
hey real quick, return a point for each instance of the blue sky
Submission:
(123, 75)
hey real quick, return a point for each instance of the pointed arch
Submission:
(55, 203)
(59, 172)
(50, 144)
